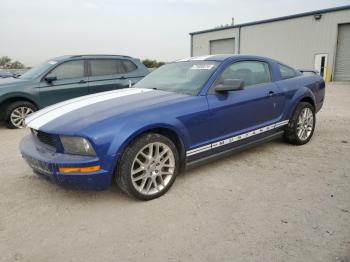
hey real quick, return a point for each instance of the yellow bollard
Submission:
(328, 73)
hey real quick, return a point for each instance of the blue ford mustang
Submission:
(180, 115)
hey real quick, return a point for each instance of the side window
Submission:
(120, 67)
(68, 70)
(102, 67)
(286, 72)
(251, 72)
(129, 66)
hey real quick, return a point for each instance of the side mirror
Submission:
(230, 85)
(50, 78)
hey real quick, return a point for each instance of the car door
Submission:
(255, 106)
(106, 75)
(70, 81)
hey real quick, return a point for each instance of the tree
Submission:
(16, 65)
(6, 62)
(152, 63)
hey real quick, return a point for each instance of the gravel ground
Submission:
(275, 202)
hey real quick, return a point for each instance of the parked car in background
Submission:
(182, 114)
(64, 78)
(6, 74)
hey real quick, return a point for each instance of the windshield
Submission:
(38, 70)
(181, 77)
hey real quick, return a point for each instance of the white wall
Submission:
(294, 41)
(201, 42)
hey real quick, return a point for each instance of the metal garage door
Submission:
(342, 61)
(222, 46)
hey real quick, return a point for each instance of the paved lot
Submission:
(275, 202)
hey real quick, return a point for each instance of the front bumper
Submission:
(46, 163)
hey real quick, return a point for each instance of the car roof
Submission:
(221, 57)
(67, 57)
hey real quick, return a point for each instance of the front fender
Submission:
(18, 95)
(130, 131)
(7, 98)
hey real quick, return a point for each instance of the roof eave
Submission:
(322, 11)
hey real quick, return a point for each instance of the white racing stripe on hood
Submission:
(70, 101)
(48, 114)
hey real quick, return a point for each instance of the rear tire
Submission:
(148, 167)
(302, 125)
(16, 113)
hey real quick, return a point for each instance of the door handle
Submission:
(271, 93)
(82, 82)
(123, 78)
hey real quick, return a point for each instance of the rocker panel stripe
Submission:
(236, 138)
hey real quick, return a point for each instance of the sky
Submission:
(33, 31)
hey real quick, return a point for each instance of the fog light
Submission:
(86, 169)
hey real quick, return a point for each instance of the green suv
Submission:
(64, 78)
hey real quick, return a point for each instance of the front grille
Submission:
(45, 138)
(39, 166)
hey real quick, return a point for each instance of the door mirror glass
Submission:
(50, 78)
(230, 85)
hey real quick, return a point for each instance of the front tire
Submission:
(302, 125)
(148, 167)
(17, 112)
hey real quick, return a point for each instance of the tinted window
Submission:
(102, 67)
(72, 69)
(120, 68)
(287, 72)
(129, 66)
(251, 72)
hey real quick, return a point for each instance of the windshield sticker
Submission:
(52, 62)
(201, 67)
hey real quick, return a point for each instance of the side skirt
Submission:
(233, 150)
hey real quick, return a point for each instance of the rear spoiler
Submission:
(312, 71)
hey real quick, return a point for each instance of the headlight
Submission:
(77, 146)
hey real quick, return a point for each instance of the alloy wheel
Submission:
(305, 124)
(152, 168)
(19, 114)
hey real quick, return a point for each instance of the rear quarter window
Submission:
(286, 71)
(129, 66)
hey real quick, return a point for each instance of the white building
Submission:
(318, 39)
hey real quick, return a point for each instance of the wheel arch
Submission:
(165, 130)
(9, 100)
(305, 97)
(309, 100)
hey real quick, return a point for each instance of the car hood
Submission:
(10, 81)
(79, 113)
